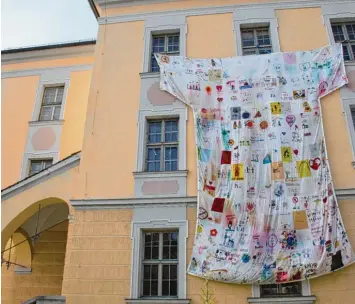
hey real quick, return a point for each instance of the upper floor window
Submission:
(256, 40)
(51, 103)
(162, 145)
(345, 33)
(160, 264)
(37, 165)
(164, 44)
(287, 289)
(352, 111)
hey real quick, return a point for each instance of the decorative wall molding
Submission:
(48, 54)
(41, 176)
(189, 201)
(36, 72)
(218, 10)
(128, 203)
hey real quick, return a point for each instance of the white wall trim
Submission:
(162, 25)
(40, 177)
(190, 201)
(217, 10)
(128, 203)
(136, 237)
(252, 17)
(347, 104)
(27, 157)
(48, 54)
(36, 72)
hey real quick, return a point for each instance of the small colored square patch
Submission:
(238, 172)
(275, 108)
(204, 155)
(218, 204)
(286, 154)
(215, 75)
(226, 157)
(277, 171)
(303, 168)
(300, 219)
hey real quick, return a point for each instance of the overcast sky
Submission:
(36, 22)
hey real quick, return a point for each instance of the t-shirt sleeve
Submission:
(329, 64)
(178, 77)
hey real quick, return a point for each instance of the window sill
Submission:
(149, 75)
(145, 174)
(284, 300)
(158, 301)
(46, 122)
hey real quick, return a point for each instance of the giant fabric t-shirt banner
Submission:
(267, 210)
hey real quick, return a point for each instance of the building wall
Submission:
(47, 269)
(21, 86)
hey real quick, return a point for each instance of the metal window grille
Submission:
(287, 289)
(256, 41)
(162, 145)
(51, 103)
(164, 44)
(160, 264)
(345, 34)
(39, 165)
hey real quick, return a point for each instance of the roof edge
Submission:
(49, 46)
(94, 9)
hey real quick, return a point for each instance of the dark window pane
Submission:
(346, 53)
(154, 272)
(48, 163)
(154, 132)
(165, 288)
(171, 153)
(268, 289)
(146, 288)
(264, 50)
(46, 113)
(351, 31)
(173, 252)
(338, 33)
(281, 289)
(155, 238)
(248, 38)
(173, 288)
(171, 131)
(174, 238)
(353, 50)
(352, 109)
(148, 237)
(251, 51)
(263, 37)
(154, 288)
(147, 253)
(173, 272)
(155, 253)
(146, 271)
(56, 114)
(166, 252)
(154, 65)
(166, 275)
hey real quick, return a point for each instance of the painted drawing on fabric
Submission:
(267, 210)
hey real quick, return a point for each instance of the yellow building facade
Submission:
(82, 198)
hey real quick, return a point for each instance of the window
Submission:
(352, 111)
(39, 165)
(256, 41)
(51, 103)
(162, 145)
(287, 289)
(345, 33)
(164, 44)
(160, 264)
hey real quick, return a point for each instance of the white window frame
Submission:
(37, 160)
(137, 246)
(42, 85)
(349, 103)
(159, 262)
(345, 33)
(166, 35)
(144, 117)
(161, 145)
(254, 29)
(306, 296)
(28, 157)
(161, 26)
(51, 105)
(253, 18)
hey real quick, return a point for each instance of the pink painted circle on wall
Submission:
(43, 139)
(158, 97)
(351, 78)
